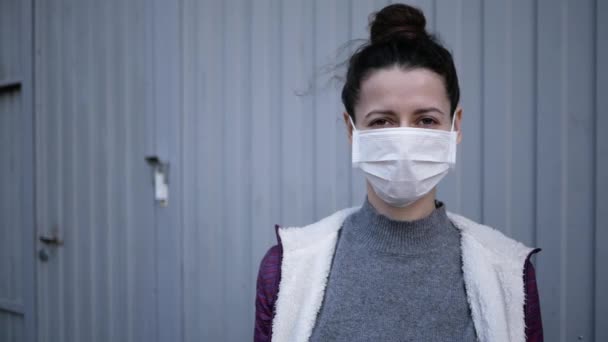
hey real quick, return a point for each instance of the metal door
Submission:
(16, 178)
(95, 209)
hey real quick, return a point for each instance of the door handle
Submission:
(51, 240)
(160, 179)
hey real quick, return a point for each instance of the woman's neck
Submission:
(422, 208)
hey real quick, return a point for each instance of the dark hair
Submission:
(398, 37)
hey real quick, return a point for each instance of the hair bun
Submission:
(397, 20)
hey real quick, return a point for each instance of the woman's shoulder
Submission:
(270, 264)
(296, 237)
(490, 238)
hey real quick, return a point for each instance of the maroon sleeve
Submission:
(266, 292)
(533, 320)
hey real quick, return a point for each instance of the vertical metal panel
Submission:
(601, 170)
(472, 83)
(165, 71)
(11, 290)
(296, 48)
(579, 157)
(497, 126)
(17, 276)
(332, 160)
(521, 167)
(550, 222)
(264, 167)
(203, 133)
(93, 186)
(27, 189)
(448, 18)
(235, 159)
(12, 266)
(141, 289)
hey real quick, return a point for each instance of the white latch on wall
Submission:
(160, 171)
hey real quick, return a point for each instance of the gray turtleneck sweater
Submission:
(395, 281)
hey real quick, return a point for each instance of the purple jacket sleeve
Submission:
(267, 288)
(533, 320)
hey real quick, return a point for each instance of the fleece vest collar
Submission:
(492, 267)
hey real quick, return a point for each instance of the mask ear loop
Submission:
(453, 146)
(453, 120)
(354, 140)
(352, 123)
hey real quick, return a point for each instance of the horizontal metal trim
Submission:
(11, 307)
(9, 85)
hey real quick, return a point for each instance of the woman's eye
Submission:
(380, 123)
(427, 121)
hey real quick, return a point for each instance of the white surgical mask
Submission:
(403, 164)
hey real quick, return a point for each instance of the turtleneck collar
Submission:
(381, 233)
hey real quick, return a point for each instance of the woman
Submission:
(400, 267)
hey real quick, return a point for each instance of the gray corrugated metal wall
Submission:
(211, 86)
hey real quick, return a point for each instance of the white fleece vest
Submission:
(493, 268)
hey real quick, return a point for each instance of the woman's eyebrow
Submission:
(427, 110)
(379, 111)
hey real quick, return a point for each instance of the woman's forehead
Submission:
(403, 90)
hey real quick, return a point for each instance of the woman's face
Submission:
(404, 98)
